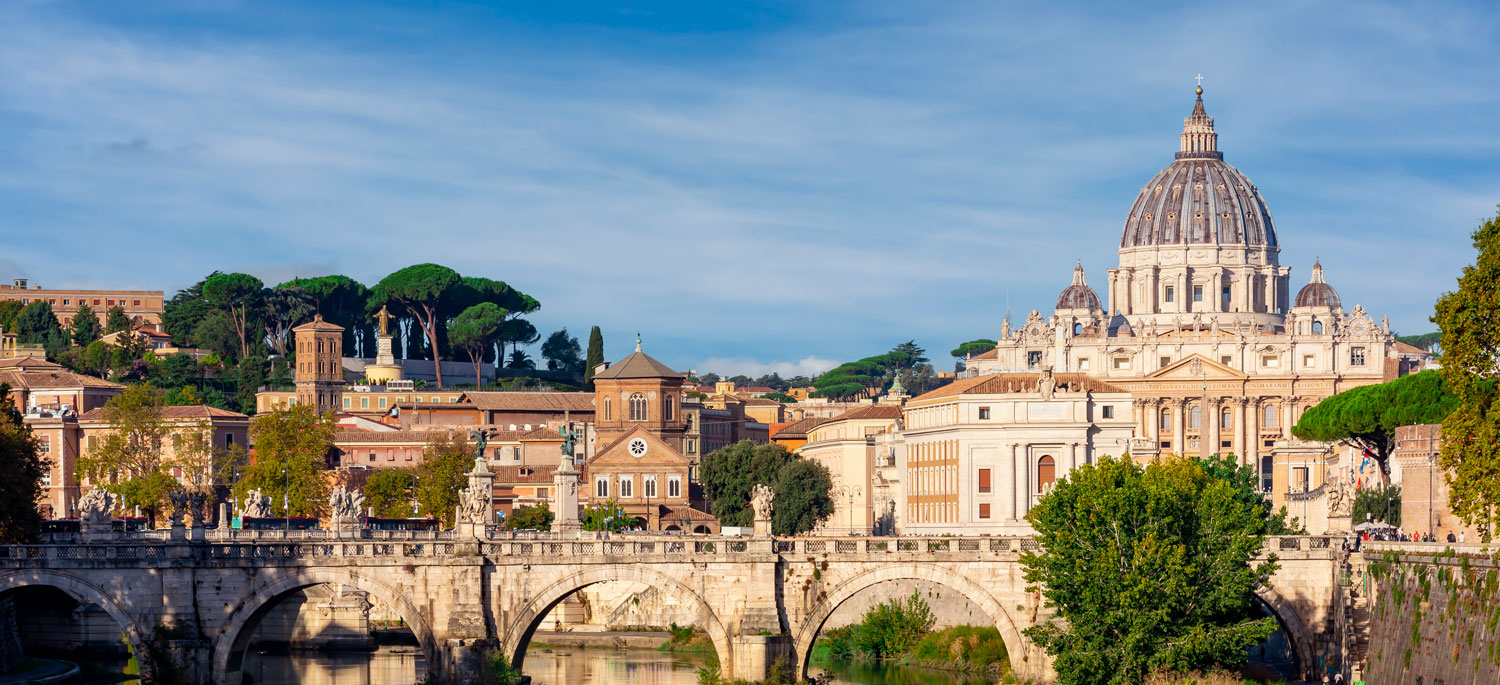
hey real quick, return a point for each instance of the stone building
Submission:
(1201, 325)
(1424, 484)
(144, 307)
(980, 451)
(846, 445)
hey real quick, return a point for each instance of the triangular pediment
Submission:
(1196, 366)
(657, 452)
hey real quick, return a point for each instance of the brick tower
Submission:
(320, 364)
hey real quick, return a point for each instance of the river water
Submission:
(545, 665)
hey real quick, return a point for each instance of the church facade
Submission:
(1200, 325)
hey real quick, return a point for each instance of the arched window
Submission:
(1077, 329)
(607, 405)
(1195, 417)
(1268, 414)
(637, 407)
(1046, 473)
(1317, 328)
(1166, 419)
(1226, 419)
(666, 408)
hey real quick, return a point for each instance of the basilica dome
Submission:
(1079, 295)
(1198, 199)
(1317, 293)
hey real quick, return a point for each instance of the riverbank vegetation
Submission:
(900, 631)
(685, 641)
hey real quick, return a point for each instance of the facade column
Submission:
(1287, 404)
(1072, 457)
(1238, 412)
(1184, 298)
(1127, 305)
(1211, 415)
(1153, 409)
(1023, 479)
(1179, 427)
(1252, 432)
(1007, 487)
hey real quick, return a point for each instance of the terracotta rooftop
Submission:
(800, 428)
(194, 411)
(992, 353)
(1005, 383)
(1403, 348)
(512, 474)
(318, 324)
(47, 377)
(531, 401)
(638, 364)
(872, 412)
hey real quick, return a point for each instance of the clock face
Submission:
(637, 447)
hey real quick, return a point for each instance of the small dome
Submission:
(1317, 293)
(1078, 295)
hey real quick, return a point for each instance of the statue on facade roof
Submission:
(1046, 383)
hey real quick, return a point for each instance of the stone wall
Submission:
(10, 636)
(1434, 620)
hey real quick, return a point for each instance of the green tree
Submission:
(1150, 568)
(520, 360)
(538, 517)
(1367, 416)
(239, 296)
(606, 515)
(21, 471)
(37, 324)
(444, 471)
(595, 357)
(1426, 341)
(801, 486)
(116, 320)
(780, 397)
(182, 314)
(85, 325)
(892, 628)
(390, 492)
(1380, 503)
(284, 309)
(95, 359)
(973, 347)
(562, 352)
(291, 458)
(128, 459)
(473, 330)
(215, 332)
(421, 289)
(342, 301)
(9, 310)
(1245, 480)
(908, 354)
(1470, 320)
(249, 376)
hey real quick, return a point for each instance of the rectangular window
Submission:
(348, 402)
(1225, 359)
(648, 483)
(627, 486)
(408, 455)
(382, 403)
(96, 303)
(515, 454)
(67, 302)
(1108, 411)
(984, 480)
(44, 446)
(1299, 479)
(1033, 358)
(1270, 361)
(541, 493)
(1122, 362)
(1165, 362)
(372, 456)
(1224, 294)
(601, 487)
(1197, 293)
(1170, 295)
(984, 511)
(1308, 361)
(1357, 356)
(984, 413)
(1083, 364)
(390, 455)
(674, 486)
(137, 303)
(364, 403)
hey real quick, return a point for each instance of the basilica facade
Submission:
(1201, 326)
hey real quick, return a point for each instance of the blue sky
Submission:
(752, 186)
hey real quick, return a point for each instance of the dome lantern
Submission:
(1199, 140)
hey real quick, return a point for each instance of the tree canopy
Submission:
(239, 296)
(802, 486)
(562, 352)
(973, 347)
(1470, 320)
(291, 456)
(85, 325)
(595, 357)
(1150, 568)
(868, 376)
(538, 517)
(444, 471)
(116, 320)
(389, 492)
(21, 470)
(421, 289)
(474, 329)
(1367, 416)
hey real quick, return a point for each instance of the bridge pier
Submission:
(756, 656)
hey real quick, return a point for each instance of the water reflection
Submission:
(384, 666)
(570, 666)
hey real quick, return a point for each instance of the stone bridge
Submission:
(192, 605)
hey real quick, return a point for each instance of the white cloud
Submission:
(810, 366)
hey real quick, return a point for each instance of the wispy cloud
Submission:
(822, 185)
(810, 366)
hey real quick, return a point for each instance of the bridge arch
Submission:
(524, 620)
(1027, 660)
(84, 591)
(1291, 621)
(230, 644)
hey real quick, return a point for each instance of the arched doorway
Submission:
(519, 630)
(230, 644)
(1298, 647)
(1046, 473)
(1027, 661)
(13, 585)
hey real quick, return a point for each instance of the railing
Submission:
(256, 546)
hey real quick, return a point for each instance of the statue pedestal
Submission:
(179, 531)
(197, 533)
(565, 501)
(385, 367)
(762, 528)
